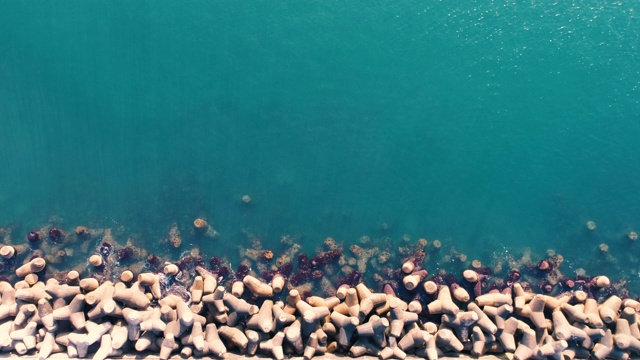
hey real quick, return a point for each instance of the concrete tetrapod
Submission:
(34, 266)
(443, 304)
(106, 319)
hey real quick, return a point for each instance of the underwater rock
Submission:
(34, 237)
(326, 258)
(56, 235)
(174, 236)
(202, 227)
(105, 249)
(126, 253)
(82, 232)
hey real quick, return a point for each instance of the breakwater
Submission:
(299, 305)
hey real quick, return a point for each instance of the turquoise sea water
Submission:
(493, 126)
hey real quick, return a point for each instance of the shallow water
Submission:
(494, 127)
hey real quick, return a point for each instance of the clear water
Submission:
(493, 126)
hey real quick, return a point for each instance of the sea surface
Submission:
(496, 127)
